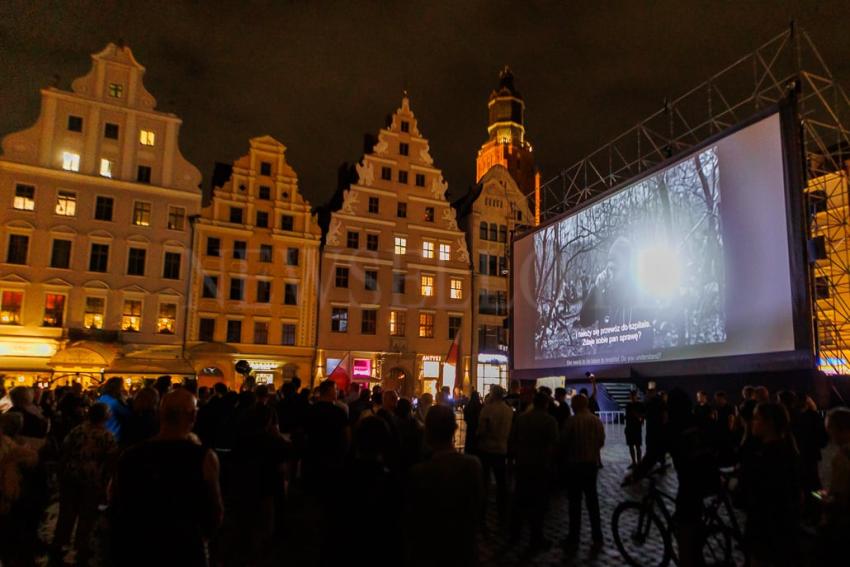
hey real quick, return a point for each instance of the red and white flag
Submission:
(340, 374)
(453, 358)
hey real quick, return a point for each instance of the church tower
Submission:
(506, 145)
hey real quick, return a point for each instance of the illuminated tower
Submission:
(506, 145)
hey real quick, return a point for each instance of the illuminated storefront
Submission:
(492, 371)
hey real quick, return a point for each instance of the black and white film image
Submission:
(636, 273)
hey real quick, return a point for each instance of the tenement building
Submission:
(490, 214)
(255, 282)
(395, 285)
(94, 248)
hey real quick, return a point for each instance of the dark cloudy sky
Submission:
(320, 75)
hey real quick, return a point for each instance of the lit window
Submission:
(70, 161)
(10, 307)
(427, 286)
(397, 321)
(427, 249)
(141, 213)
(339, 320)
(445, 252)
(147, 137)
(429, 214)
(66, 203)
(167, 319)
(94, 314)
(54, 310)
(24, 198)
(116, 90)
(106, 167)
(176, 218)
(426, 325)
(131, 315)
(456, 288)
(400, 245)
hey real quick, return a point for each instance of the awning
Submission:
(154, 366)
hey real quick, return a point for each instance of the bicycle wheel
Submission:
(641, 536)
(716, 546)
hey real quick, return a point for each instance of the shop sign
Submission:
(362, 367)
(263, 365)
(15, 348)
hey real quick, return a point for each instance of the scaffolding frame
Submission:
(788, 62)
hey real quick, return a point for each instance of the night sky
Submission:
(320, 75)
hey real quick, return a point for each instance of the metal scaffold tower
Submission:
(788, 62)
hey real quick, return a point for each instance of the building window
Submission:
(398, 282)
(397, 323)
(353, 240)
(503, 233)
(176, 218)
(110, 131)
(400, 245)
(54, 310)
(369, 322)
(131, 315)
(370, 280)
(287, 334)
(373, 205)
(483, 232)
(24, 198)
(116, 90)
(16, 253)
(456, 288)
(287, 222)
(10, 307)
(136, 261)
(420, 180)
(60, 254)
(492, 303)
(290, 294)
(261, 333)
(99, 257)
(103, 208)
(171, 266)
(210, 290)
(492, 265)
(213, 246)
(234, 331)
(454, 325)
(262, 219)
(166, 322)
(372, 242)
(402, 177)
(426, 325)
(401, 211)
(70, 161)
(75, 123)
(445, 252)
(403, 149)
(264, 291)
(292, 256)
(341, 279)
(429, 214)
(405, 126)
(147, 137)
(141, 213)
(143, 174)
(265, 253)
(94, 313)
(106, 167)
(240, 250)
(265, 193)
(236, 215)
(237, 289)
(386, 174)
(265, 168)
(66, 203)
(494, 232)
(428, 249)
(206, 329)
(426, 286)
(339, 320)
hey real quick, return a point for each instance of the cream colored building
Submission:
(395, 277)
(255, 281)
(95, 201)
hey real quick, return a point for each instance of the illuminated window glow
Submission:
(105, 167)
(427, 286)
(397, 323)
(24, 198)
(131, 315)
(70, 161)
(147, 137)
(426, 325)
(427, 249)
(10, 307)
(456, 288)
(141, 213)
(94, 314)
(400, 245)
(66, 204)
(445, 252)
(54, 310)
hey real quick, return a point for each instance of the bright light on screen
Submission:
(689, 262)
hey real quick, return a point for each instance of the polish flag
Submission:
(340, 374)
(452, 358)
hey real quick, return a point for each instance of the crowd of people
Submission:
(174, 474)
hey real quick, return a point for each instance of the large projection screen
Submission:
(692, 262)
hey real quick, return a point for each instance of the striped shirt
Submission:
(583, 438)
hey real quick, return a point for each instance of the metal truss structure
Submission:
(789, 61)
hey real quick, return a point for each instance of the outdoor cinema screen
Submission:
(688, 262)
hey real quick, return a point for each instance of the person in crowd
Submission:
(835, 524)
(560, 408)
(410, 434)
(593, 398)
(87, 452)
(426, 401)
(5, 400)
(353, 393)
(204, 395)
(534, 442)
(655, 418)
(211, 415)
(113, 396)
(358, 406)
(70, 410)
(724, 425)
(810, 436)
(35, 426)
(704, 412)
(143, 422)
(494, 431)
(444, 491)
(166, 493)
(162, 385)
(471, 415)
(761, 394)
(635, 414)
(18, 469)
(327, 437)
(387, 411)
(513, 396)
(582, 442)
(771, 487)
